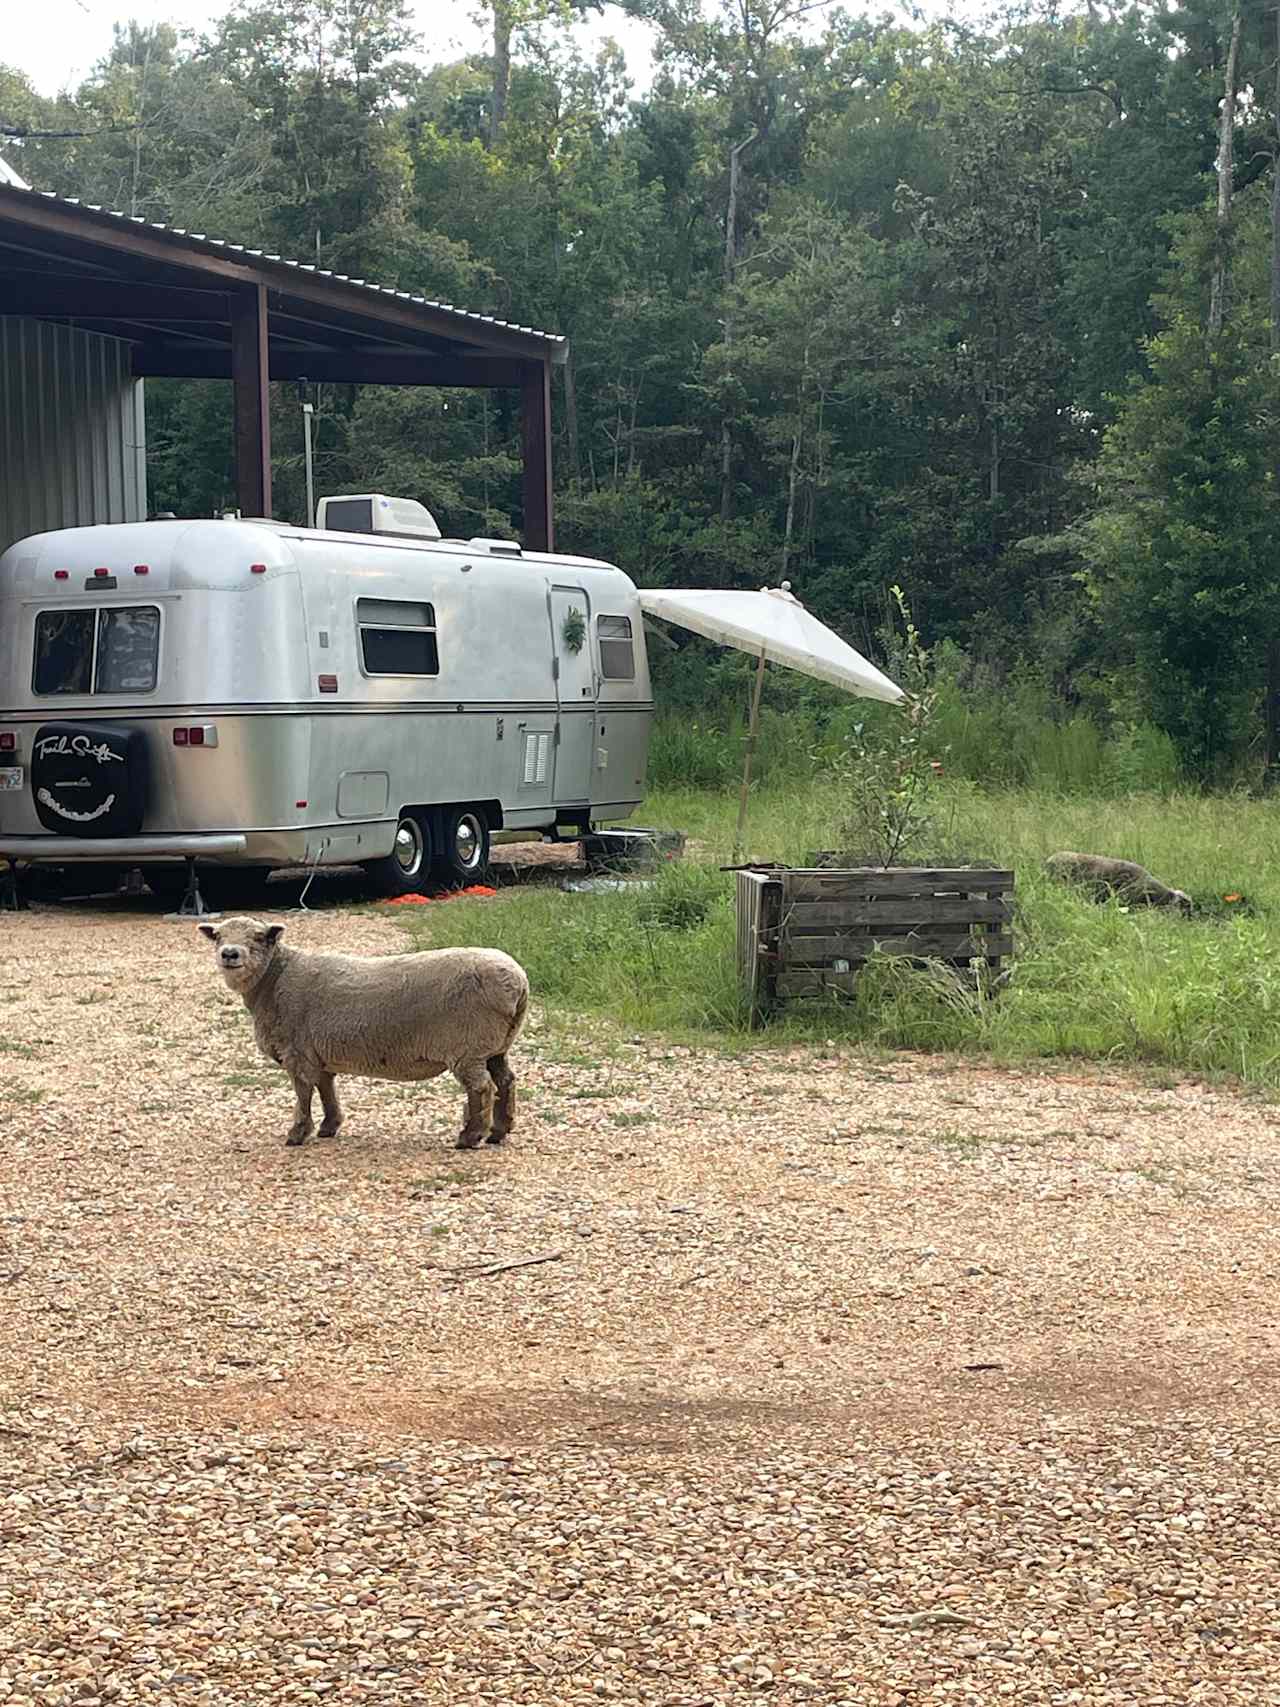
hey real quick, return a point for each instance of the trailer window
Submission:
(617, 656)
(128, 650)
(97, 651)
(397, 638)
(64, 651)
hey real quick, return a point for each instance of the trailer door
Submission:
(575, 693)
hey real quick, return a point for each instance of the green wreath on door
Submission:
(573, 630)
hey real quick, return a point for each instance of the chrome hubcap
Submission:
(466, 842)
(408, 847)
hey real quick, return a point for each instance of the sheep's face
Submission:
(242, 949)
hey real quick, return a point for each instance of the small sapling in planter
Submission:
(887, 777)
(810, 931)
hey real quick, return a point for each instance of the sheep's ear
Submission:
(273, 933)
(211, 931)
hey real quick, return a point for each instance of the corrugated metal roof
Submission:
(219, 246)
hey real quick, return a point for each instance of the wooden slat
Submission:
(746, 908)
(817, 984)
(803, 916)
(813, 982)
(838, 885)
(757, 897)
(950, 945)
(793, 925)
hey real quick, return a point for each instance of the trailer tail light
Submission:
(327, 684)
(196, 735)
(179, 737)
(62, 574)
(257, 568)
(142, 568)
(8, 741)
(101, 574)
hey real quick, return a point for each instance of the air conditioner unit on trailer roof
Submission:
(372, 512)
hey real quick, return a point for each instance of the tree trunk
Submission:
(502, 23)
(793, 473)
(138, 129)
(793, 481)
(995, 460)
(571, 419)
(1226, 138)
(726, 469)
(730, 267)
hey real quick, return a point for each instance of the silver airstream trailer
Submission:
(249, 695)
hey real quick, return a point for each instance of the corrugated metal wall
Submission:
(72, 431)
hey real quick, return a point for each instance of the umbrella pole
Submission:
(746, 758)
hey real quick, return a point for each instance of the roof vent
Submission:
(371, 512)
(496, 547)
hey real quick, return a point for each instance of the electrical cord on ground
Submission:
(311, 875)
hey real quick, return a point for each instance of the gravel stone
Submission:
(860, 1379)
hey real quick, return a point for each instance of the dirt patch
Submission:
(833, 1346)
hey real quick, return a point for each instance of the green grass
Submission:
(1199, 996)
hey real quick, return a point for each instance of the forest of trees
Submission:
(992, 313)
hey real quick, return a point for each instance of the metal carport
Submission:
(191, 307)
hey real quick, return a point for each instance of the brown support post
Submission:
(535, 423)
(249, 376)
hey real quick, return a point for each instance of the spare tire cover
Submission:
(89, 779)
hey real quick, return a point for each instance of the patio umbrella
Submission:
(774, 627)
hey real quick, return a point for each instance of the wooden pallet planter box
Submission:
(810, 931)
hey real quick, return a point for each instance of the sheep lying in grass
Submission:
(1120, 877)
(402, 1016)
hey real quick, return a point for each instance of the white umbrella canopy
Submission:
(774, 625)
(775, 628)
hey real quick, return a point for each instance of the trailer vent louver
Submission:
(536, 751)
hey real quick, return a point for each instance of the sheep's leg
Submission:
(504, 1110)
(302, 1127)
(332, 1107)
(474, 1078)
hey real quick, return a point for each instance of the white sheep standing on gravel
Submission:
(399, 1016)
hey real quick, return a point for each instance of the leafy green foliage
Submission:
(1183, 549)
(573, 630)
(886, 774)
(955, 342)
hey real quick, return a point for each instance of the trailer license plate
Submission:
(10, 778)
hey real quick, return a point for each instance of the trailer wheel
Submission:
(463, 857)
(402, 870)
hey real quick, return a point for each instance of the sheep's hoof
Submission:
(496, 1138)
(328, 1130)
(295, 1138)
(468, 1141)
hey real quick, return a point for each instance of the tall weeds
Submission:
(1198, 995)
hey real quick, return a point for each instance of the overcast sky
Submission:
(57, 42)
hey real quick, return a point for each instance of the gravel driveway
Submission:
(850, 1380)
